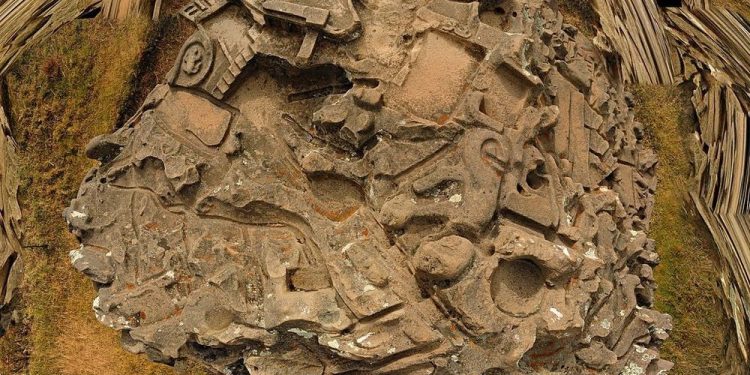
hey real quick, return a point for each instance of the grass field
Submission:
(62, 93)
(687, 277)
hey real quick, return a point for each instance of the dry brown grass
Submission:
(158, 58)
(85, 76)
(581, 14)
(688, 273)
(13, 349)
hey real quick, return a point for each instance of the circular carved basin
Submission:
(517, 286)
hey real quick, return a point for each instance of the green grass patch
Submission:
(687, 277)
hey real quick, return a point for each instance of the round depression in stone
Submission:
(517, 286)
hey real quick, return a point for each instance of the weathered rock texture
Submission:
(387, 186)
(710, 49)
(11, 264)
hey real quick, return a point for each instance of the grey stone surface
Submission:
(385, 187)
